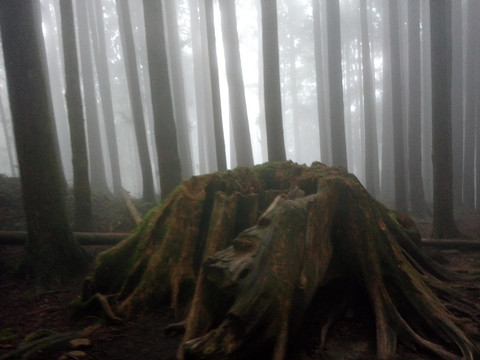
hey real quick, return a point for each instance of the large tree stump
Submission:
(249, 254)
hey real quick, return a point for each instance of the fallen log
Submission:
(459, 244)
(84, 238)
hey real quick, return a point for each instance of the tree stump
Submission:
(248, 254)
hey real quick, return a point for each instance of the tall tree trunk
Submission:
(8, 142)
(325, 146)
(98, 179)
(50, 252)
(271, 83)
(100, 54)
(443, 223)
(337, 117)
(215, 84)
(471, 84)
(371, 147)
(418, 204)
(397, 111)
(236, 89)
(387, 188)
(182, 120)
(427, 167)
(457, 99)
(133, 81)
(202, 95)
(73, 95)
(164, 120)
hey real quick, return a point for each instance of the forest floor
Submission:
(27, 312)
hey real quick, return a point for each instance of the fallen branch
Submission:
(460, 244)
(131, 208)
(84, 238)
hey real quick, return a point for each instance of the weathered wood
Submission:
(84, 238)
(247, 283)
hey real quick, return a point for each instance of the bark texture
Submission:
(250, 254)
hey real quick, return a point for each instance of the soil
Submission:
(27, 312)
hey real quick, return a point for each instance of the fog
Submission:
(303, 68)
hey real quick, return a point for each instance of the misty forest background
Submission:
(372, 114)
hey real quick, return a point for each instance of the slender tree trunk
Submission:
(457, 100)
(133, 80)
(182, 121)
(427, 168)
(201, 98)
(215, 84)
(320, 83)
(443, 223)
(271, 87)
(417, 195)
(471, 84)
(103, 73)
(387, 179)
(73, 95)
(163, 114)
(8, 142)
(98, 179)
(50, 252)
(371, 148)
(337, 117)
(236, 89)
(397, 111)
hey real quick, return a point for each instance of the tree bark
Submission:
(337, 116)
(397, 111)
(215, 84)
(133, 80)
(95, 10)
(371, 145)
(50, 253)
(236, 90)
(271, 83)
(164, 123)
(443, 222)
(249, 253)
(98, 178)
(418, 205)
(73, 95)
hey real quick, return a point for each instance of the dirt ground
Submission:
(25, 312)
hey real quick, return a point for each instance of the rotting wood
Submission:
(247, 286)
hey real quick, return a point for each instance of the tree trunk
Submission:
(418, 205)
(95, 10)
(443, 222)
(133, 80)
(98, 179)
(271, 87)
(50, 253)
(371, 145)
(164, 118)
(470, 104)
(457, 99)
(397, 110)
(215, 84)
(249, 282)
(337, 117)
(73, 95)
(325, 146)
(236, 90)
(182, 121)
